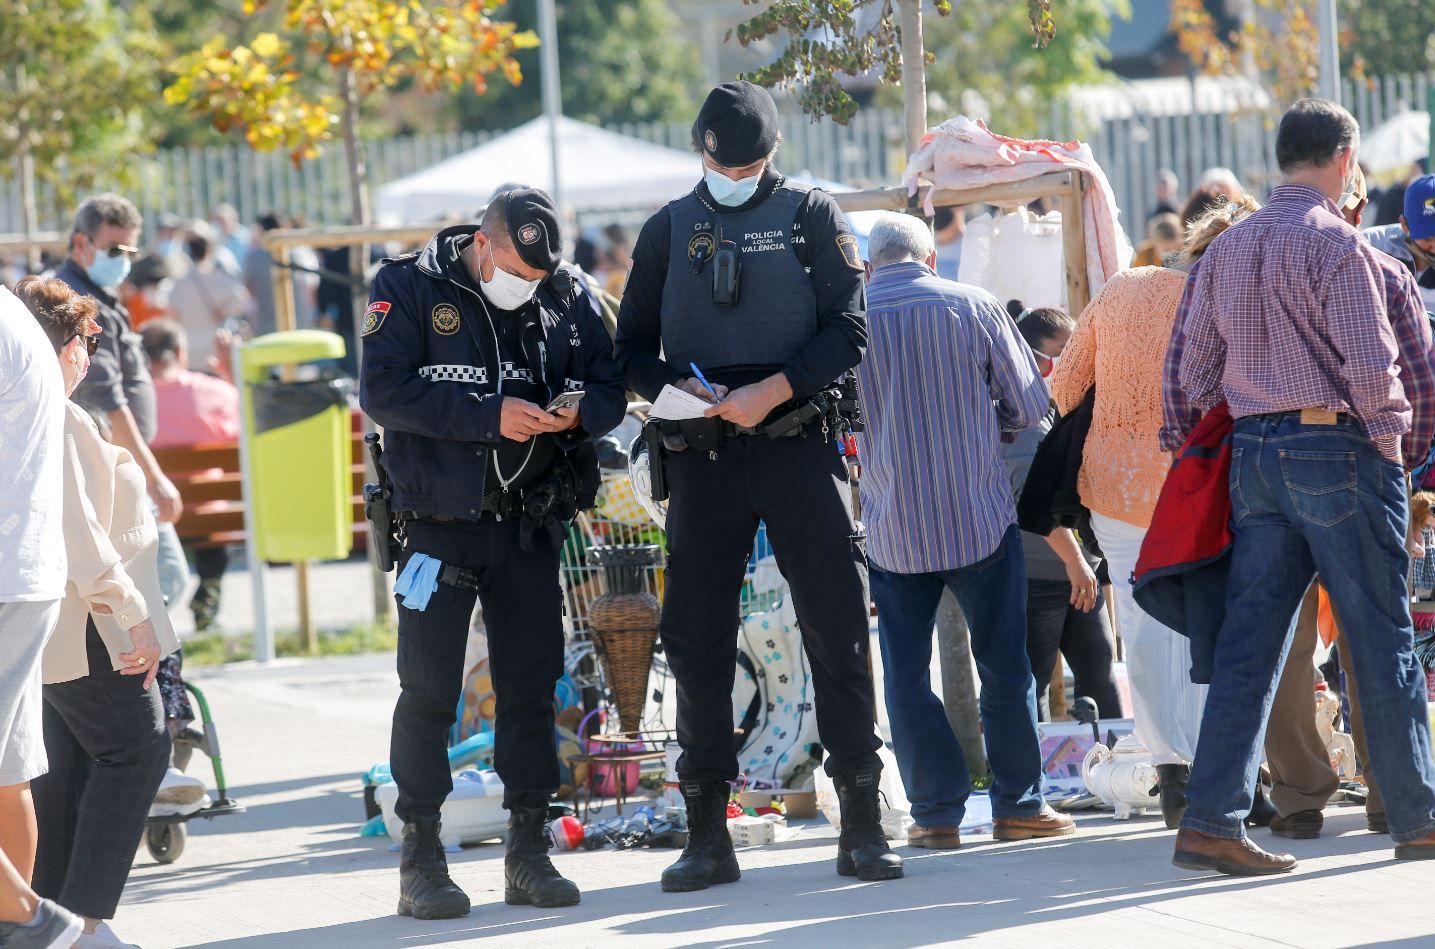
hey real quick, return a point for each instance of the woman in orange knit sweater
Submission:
(1119, 346)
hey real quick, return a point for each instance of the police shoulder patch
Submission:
(375, 315)
(445, 319)
(847, 244)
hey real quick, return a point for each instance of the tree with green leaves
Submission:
(266, 88)
(75, 76)
(984, 52)
(830, 39)
(619, 61)
(1278, 40)
(1387, 37)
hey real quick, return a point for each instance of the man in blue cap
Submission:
(747, 293)
(1412, 241)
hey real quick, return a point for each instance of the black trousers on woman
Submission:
(108, 750)
(1053, 625)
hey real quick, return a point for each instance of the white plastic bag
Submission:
(1016, 256)
(896, 809)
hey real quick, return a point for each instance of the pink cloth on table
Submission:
(964, 153)
(195, 409)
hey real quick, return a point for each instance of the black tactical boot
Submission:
(1171, 785)
(708, 857)
(529, 877)
(862, 849)
(425, 889)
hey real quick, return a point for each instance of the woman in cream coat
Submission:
(104, 722)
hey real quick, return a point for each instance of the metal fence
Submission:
(190, 182)
(1131, 146)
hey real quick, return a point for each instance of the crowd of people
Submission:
(1281, 338)
(91, 561)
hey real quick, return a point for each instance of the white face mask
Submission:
(505, 290)
(727, 192)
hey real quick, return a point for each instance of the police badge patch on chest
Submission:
(701, 246)
(445, 319)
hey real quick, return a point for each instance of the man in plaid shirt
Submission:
(1286, 320)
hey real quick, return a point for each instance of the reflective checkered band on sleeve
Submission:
(474, 374)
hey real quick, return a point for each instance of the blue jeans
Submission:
(1308, 499)
(992, 594)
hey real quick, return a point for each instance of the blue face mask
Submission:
(107, 271)
(727, 192)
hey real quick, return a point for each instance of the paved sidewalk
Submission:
(293, 873)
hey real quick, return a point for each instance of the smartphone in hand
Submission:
(565, 400)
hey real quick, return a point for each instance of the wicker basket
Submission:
(624, 621)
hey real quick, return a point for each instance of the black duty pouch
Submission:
(704, 434)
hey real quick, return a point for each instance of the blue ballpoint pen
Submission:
(699, 373)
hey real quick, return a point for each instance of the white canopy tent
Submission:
(1396, 143)
(599, 169)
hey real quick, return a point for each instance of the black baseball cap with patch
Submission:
(737, 124)
(533, 226)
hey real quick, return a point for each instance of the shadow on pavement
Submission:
(946, 896)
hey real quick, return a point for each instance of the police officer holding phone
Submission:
(489, 368)
(747, 292)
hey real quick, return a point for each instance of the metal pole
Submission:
(258, 571)
(552, 94)
(1329, 52)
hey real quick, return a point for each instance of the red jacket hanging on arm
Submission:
(1181, 575)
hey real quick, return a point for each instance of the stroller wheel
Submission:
(166, 841)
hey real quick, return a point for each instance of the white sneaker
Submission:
(179, 788)
(103, 938)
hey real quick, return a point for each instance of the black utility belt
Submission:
(495, 504)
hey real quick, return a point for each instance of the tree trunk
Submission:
(914, 72)
(353, 154)
(954, 642)
(29, 213)
(959, 682)
(359, 298)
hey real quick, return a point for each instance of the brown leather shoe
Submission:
(1302, 825)
(1377, 824)
(1235, 856)
(1044, 823)
(1421, 848)
(934, 838)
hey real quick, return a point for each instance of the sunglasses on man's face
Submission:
(118, 249)
(92, 342)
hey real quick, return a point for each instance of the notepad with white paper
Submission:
(675, 404)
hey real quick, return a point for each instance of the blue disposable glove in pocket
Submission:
(418, 581)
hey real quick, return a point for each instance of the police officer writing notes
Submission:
(754, 283)
(465, 346)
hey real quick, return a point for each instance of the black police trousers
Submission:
(798, 487)
(523, 611)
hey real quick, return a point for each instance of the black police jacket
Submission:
(431, 373)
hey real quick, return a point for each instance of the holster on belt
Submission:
(657, 459)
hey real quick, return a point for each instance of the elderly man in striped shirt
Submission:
(946, 373)
(1286, 319)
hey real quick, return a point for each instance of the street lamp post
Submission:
(1329, 51)
(552, 95)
